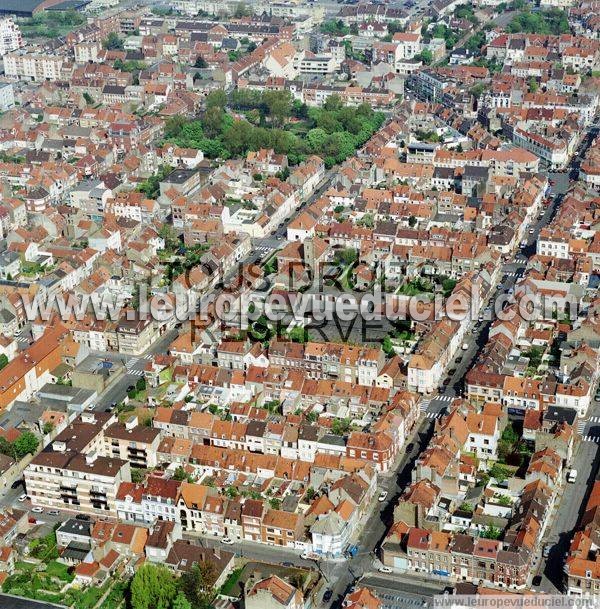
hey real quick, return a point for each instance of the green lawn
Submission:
(231, 581)
(59, 570)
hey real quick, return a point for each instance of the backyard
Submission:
(43, 578)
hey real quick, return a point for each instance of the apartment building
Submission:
(133, 442)
(10, 36)
(36, 67)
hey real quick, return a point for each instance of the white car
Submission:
(382, 496)
(37, 510)
(572, 475)
(227, 541)
(385, 569)
(22, 498)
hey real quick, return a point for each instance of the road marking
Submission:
(444, 398)
(425, 405)
(594, 439)
(434, 415)
(135, 372)
(581, 427)
(594, 419)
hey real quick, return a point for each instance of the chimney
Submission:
(90, 458)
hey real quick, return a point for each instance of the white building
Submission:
(7, 96)
(10, 36)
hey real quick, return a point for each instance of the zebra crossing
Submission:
(595, 439)
(513, 273)
(426, 403)
(134, 361)
(581, 426)
(594, 420)
(264, 249)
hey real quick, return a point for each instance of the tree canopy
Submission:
(553, 21)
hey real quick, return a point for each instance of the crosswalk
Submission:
(581, 426)
(134, 361)
(434, 415)
(594, 420)
(595, 439)
(264, 249)
(444, 398)
(513, 274)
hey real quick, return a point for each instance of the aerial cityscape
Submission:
(299, 304)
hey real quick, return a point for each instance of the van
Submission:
(572, 475)
(465, 346)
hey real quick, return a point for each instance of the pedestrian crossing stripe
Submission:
(444, 398)
(594, 419)
(434, 415)
(595, 439)
(580, 427)
(136, 372)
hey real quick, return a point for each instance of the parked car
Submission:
(384, 569)
(37, 510)
(572, 475)
(327, 595)
(22, 498)
(227, 541)
(53, 513)
(382, 496)
(546, 550)
(537, 580)
(17, 483)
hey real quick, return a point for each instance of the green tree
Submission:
(340, 427)
(47, 428)
(242, 10)
(213, 121)
(137, 475)
(216, 99)
(426, 56)
(491, 532)
(152, 587)
(3, 361)
(316, 139)
(198, 584)
(26, 444)
(345, 256)
(200, 62)
(279, 105)
(533, 85)
(113, 42)
(499, 472)
(478, 90)
(180, 474)
(89, 100)
(181, 602)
